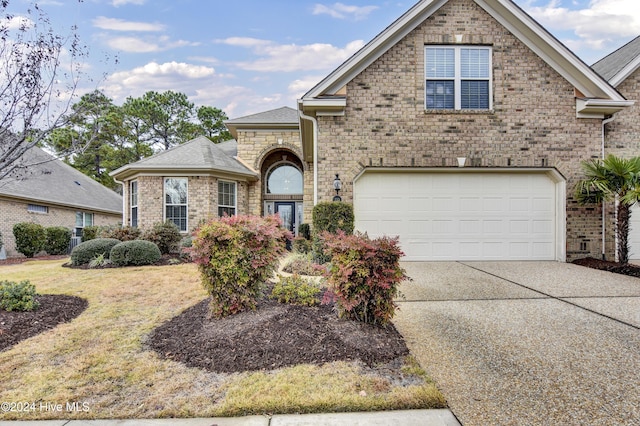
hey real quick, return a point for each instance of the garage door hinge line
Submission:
(553, 297)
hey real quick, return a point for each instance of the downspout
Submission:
(314, 122)
(604, 123)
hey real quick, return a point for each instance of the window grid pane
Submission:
(226, 198)
(440, 63)
(474, 94)
(440, 94)
(474, 63)
(176, 202)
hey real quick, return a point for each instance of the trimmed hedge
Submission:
(135, 252)
(90, 233)
(58, 238)
(30, 238)
(122, 233)
(84, 252)
(165, 235)
(236, 255)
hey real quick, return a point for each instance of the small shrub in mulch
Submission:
(53, 310)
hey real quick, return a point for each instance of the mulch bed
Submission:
(54, 309)
(166, 259)
(606, 265)
(18, 260)
(273, 336)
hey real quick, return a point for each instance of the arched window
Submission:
(284, 179)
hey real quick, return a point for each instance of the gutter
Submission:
(314, 123)
(604, 123)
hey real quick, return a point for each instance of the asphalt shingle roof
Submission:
(284, 115)
(50, 181)
(198, 154)
(609, 66)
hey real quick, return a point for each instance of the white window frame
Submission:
(37, 208)
(80, 226)
(164, 201)
(457, 79)
(133, 203)
(235, 197)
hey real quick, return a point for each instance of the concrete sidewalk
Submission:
(442, 417)
(535, 343)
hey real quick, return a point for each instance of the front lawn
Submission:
(100, 365)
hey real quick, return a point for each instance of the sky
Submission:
(249, 56)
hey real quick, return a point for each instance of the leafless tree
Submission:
(39, 74)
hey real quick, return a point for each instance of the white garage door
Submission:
(461, 216)
(634, 234)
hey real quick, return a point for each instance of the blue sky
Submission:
(247, 56)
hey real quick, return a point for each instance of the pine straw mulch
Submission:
(606, 265)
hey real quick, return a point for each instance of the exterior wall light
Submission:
(337, 185)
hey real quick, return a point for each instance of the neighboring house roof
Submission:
(327, 97)
(47, 180)
(619, 65)
(199, 155)
(280, 118)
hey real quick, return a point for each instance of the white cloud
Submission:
(138, 45)
(114, 24)
(299, 87)
(291, 57)
(601, 22)
(343, 11)
(118, 3)
(17, 22)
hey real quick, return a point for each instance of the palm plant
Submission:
(616, 179)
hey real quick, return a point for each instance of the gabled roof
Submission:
(48, 180)
(198, 156)
(619, 65)
(325, 96)
(280, 118)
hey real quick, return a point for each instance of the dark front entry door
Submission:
(287, 211)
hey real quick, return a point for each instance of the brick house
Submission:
(52, 193)
(451, 83)
(622, 132)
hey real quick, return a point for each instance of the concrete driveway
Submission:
(526, 343)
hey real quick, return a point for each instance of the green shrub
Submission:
(236, 255)
(304, 231)
(186, 242)
(330, 217)
(90, 232)
(58, 238)
(122, 233)
(301, 245)
(30, 238)
(18, 296)
(165, 235)
(135, 252)
(303, 265)
(364, 275)
(296, 290)
(84, 252)
(0, 240)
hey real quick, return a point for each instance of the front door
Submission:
(287, 212)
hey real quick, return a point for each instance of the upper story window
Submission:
(175, 202)
(226, 198)
(458, 77)
(133, 190)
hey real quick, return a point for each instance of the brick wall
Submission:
(202, 199)
(13, 211)
(255, 146)
(533, 123)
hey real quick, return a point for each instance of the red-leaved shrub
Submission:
(236, 255)
(364, 275)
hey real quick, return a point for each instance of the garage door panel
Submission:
(451, 216)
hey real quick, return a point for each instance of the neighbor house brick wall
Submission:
(15, 211)
(533, 122)
(254, 146)
(202, 199)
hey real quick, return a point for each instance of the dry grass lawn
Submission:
(98, 360)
